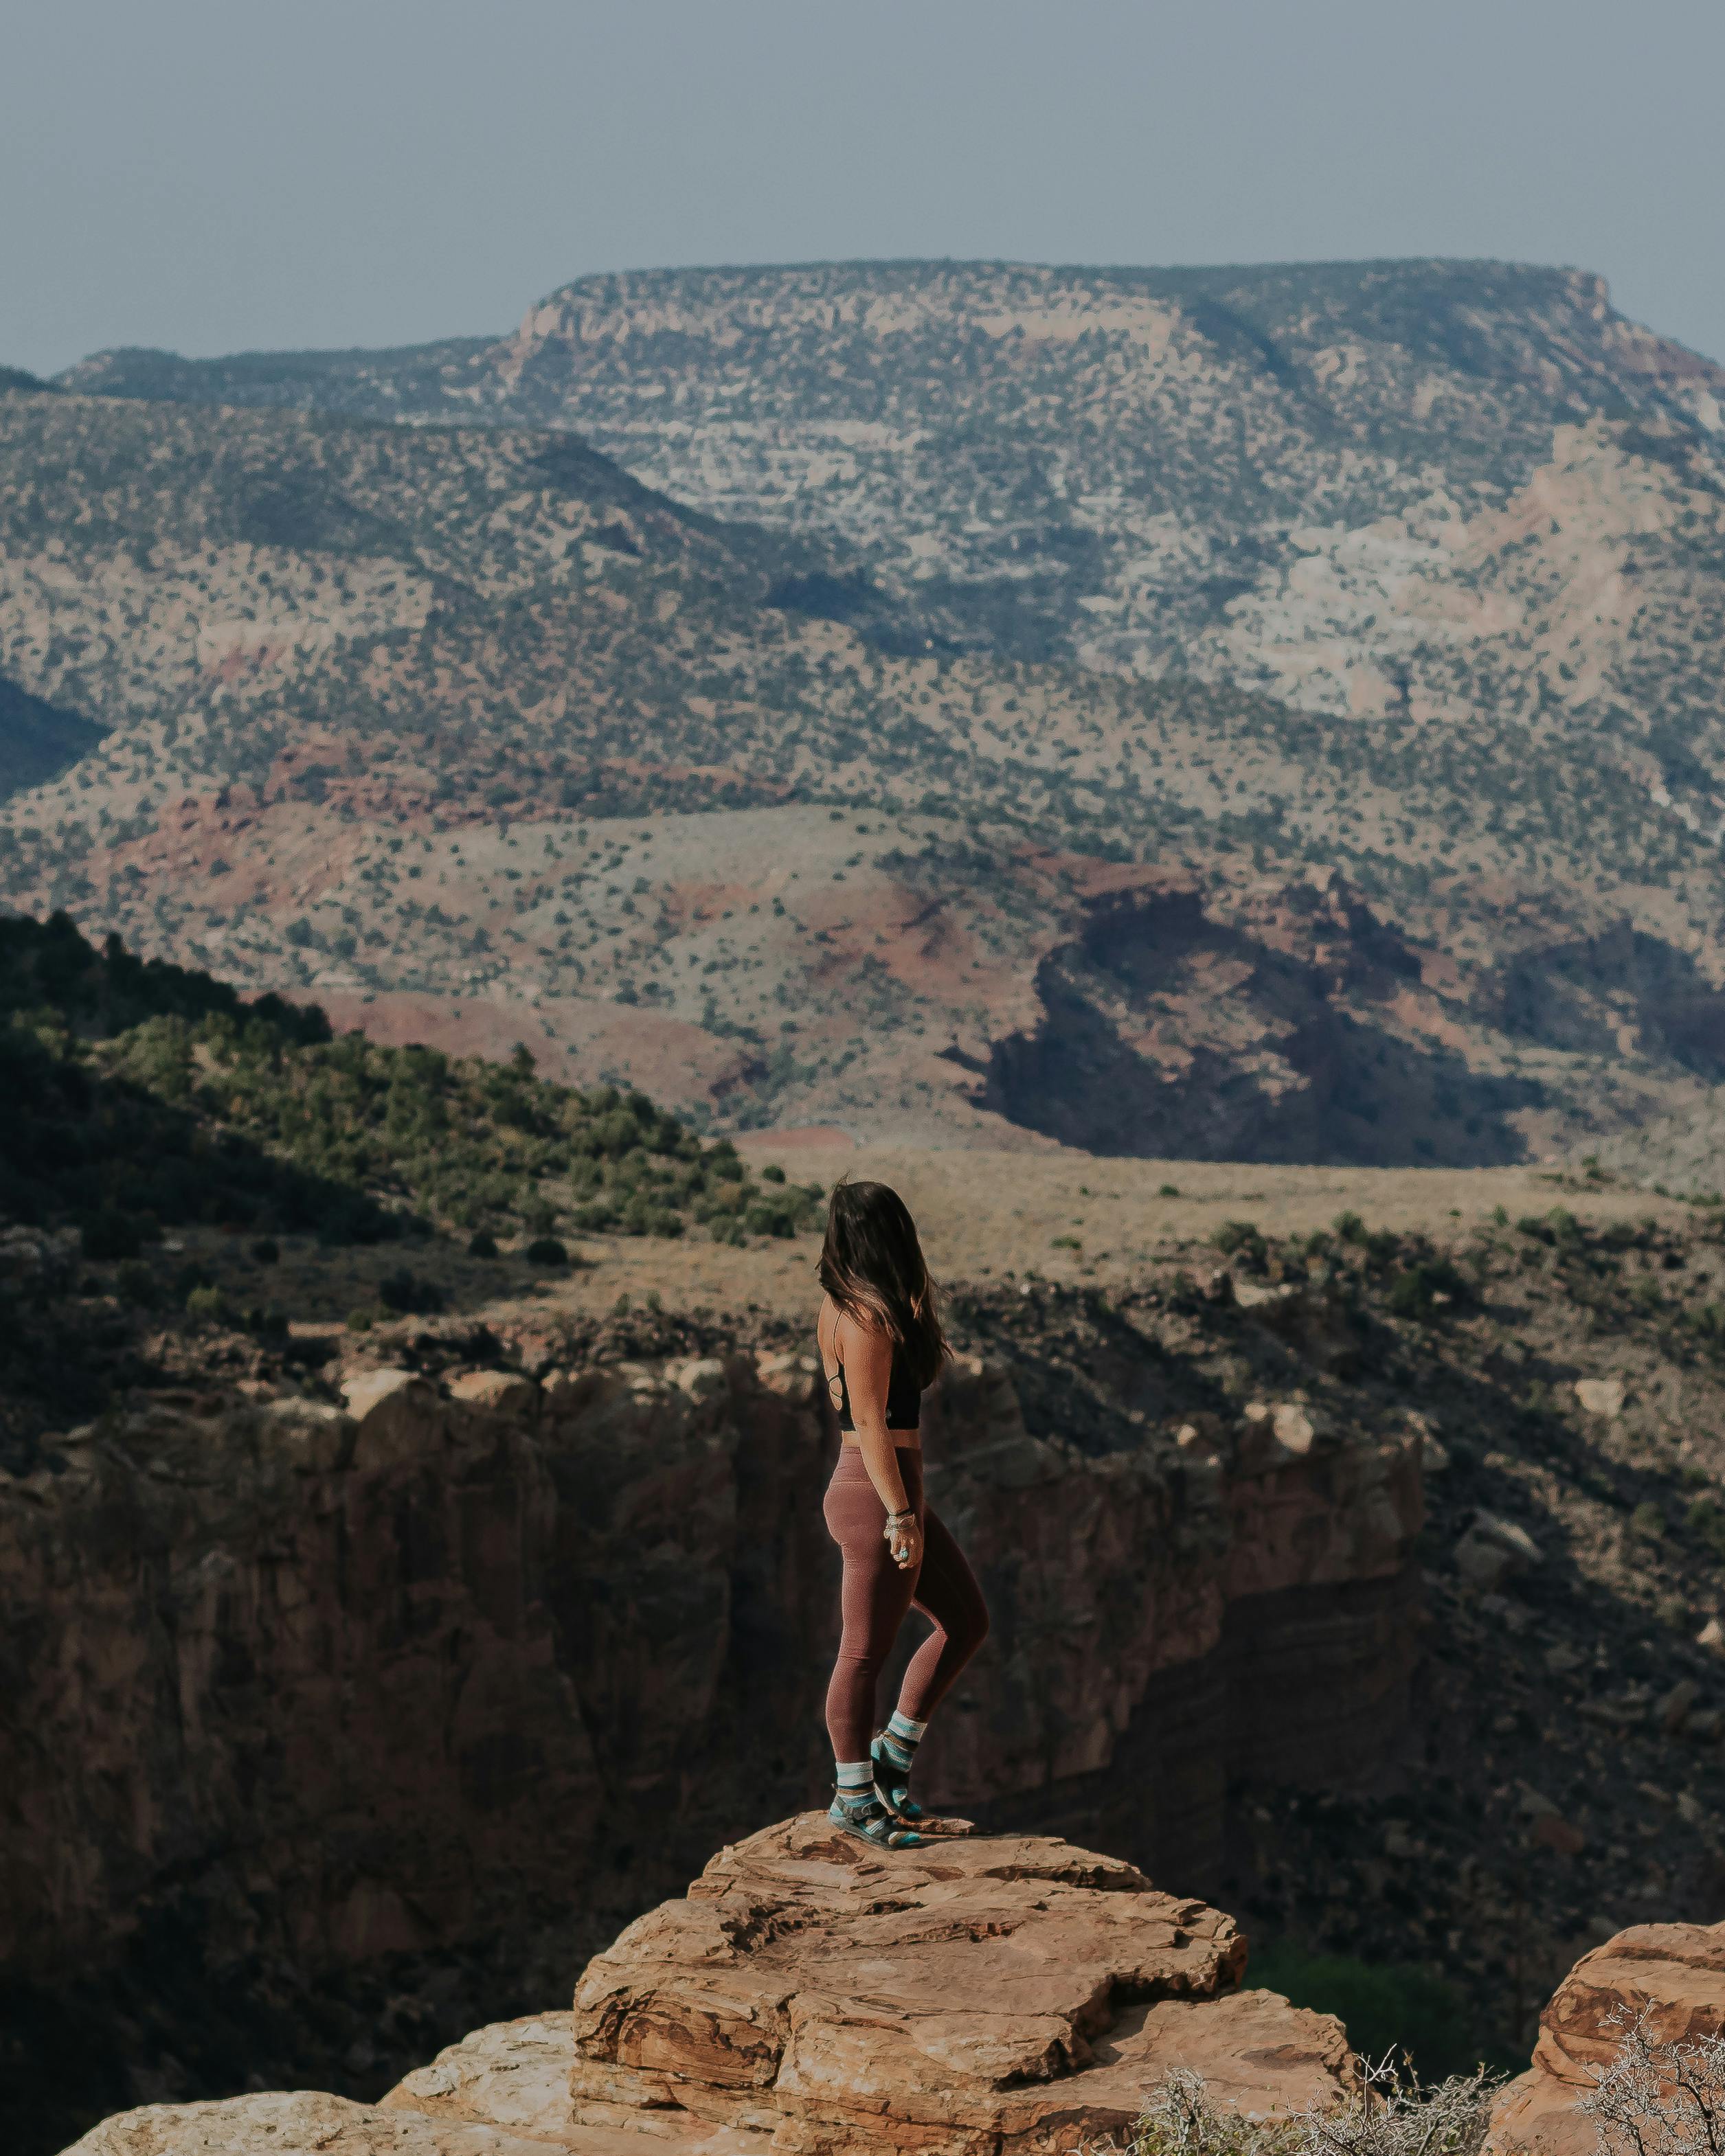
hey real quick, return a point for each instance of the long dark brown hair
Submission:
(872, 1265)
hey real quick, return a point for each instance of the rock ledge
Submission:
(993, 1995)
(980, 1996)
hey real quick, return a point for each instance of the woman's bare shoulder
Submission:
(859, 1330)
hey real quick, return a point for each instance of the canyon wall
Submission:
(331, 1684)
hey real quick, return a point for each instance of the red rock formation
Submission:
(1677, 1971)
(335, 1684)
(810, 1996)
(956, 2000)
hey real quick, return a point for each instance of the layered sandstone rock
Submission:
(995, 1995)
(1675, 1973)
(335, 1683)
(962, 1999)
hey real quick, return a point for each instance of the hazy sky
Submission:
(214, 175)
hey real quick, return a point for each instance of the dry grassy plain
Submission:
(985, 1216)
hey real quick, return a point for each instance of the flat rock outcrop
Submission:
(979, 1995)
(986, 1995)
(1677, 1971)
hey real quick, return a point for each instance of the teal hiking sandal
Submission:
(864, 1816)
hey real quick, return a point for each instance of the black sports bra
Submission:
(904, 1395)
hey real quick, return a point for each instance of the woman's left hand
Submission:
(904, 1538)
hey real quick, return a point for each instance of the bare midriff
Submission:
(901, 1438)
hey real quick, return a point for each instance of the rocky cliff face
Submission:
(330, 1684)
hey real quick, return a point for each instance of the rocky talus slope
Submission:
(810, 1996)
(1673, 1974)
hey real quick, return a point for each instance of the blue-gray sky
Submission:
(217, 175)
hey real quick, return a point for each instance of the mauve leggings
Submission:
(876, 1595)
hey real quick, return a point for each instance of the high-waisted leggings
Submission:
(876, 1595)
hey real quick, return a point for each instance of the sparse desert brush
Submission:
(1390, 2113)
(1656, 2098)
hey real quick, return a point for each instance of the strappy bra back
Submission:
(904, 1396)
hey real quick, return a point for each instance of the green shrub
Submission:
(773, 1174)
(773, 1215)
(361, 1318)
(1239, 1238)
(267, 1251)
(1348, 1227)
(1705, 1518)
(1416, 1292)
(206, 1305)
(1647, 1521)
(482, 1244)
(546, 1250)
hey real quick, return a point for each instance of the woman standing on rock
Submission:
(881, 1347)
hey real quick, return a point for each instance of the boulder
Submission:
(1602, 1396)
(502, 1392)
(1677, 1971)
(1494, 1550)
(963, 1997)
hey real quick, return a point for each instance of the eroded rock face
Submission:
(339, 1683)
(1675, 1971)
(969, 1999)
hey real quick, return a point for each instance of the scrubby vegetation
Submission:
(146, 1094)
(1655, 2098)
(1392, 2114)
(1651, 2098)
